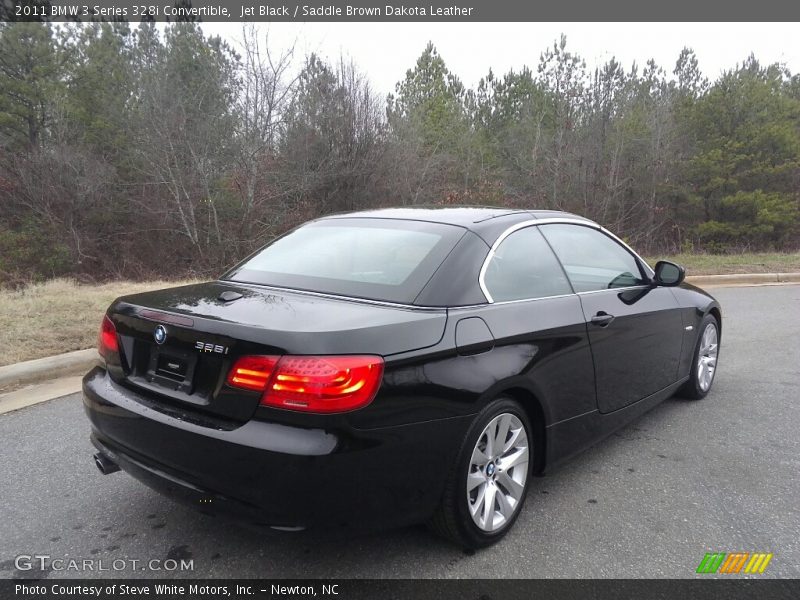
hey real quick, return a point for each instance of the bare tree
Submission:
(267, 87)
(184, 133)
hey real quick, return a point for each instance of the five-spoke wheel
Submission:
(486, 489)
(704, 362)
(498, 472)
(707, 357)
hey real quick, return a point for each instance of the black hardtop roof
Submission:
(475, 218)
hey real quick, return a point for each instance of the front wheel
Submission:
(704, 364)
(486, 489)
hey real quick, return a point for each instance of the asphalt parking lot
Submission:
(721, 475)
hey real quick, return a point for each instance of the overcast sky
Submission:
(384, 51)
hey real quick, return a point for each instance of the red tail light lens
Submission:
(107, 342)
(324, 383)
(252, 372)
(319, 384)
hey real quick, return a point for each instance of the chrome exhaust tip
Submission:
(104, 464)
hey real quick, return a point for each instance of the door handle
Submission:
(602, 319)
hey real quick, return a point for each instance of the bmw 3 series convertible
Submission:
(395, 366)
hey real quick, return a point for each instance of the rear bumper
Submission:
(276, 474)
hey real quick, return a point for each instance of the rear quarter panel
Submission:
(539, 347)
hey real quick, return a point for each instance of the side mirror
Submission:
(668, 274)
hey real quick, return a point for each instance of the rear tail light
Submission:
(319, 384)
(107, 341)
(252, 372)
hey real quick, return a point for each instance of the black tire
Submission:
(692, 389)
(452, 519)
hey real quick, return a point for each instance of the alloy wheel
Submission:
(498, 472)
(707, 357)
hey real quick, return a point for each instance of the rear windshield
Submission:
(379, 259)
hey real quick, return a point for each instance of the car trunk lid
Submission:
(205, 327)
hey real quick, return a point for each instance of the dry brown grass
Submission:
(58, 316)
(722, 264)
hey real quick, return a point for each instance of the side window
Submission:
(593, 261)
(524, 267)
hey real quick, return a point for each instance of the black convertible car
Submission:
(395, 366)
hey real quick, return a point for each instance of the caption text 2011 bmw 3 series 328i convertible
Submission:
(395, 366)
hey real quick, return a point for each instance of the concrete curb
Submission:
(743, 279)
(51, 367)
(41, 392)
(77, 363)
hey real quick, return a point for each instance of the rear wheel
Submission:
(704, 364)
(487, 487)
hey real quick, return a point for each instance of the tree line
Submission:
(136, 151)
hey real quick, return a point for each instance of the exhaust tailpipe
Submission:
(104, 464)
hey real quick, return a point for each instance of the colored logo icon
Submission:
(734, 562)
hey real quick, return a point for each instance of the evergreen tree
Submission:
(743, 174)
(29, 83)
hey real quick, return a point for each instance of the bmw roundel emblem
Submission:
(160, 334)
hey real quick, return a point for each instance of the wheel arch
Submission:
(717, 314)
(535, 413)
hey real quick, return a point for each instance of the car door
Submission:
(635, 329)
(537, 325)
